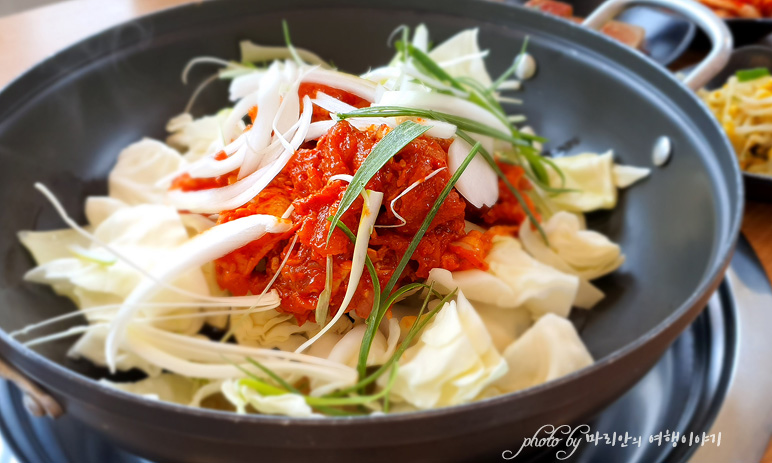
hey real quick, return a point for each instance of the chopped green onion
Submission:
(384, 150)
(511, 70)
(428, 220)
(372, 319)
(746, 75)
(461, 122)
(290, 47)
(279, 380)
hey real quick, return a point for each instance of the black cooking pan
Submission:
(64, 121)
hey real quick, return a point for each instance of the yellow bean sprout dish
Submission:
(743, 106)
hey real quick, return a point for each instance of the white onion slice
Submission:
(204, 359)
(232, 126)
(210, 167)
(242, 86)
(372, 204)
(232, 196)
(347, 82)
(478, 183)
(259, 136)
(317, 129)
(442, 103)
(331, 104)
(206, 247)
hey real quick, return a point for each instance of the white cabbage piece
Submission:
(146, 234)
(270, 329)
(99, 208)
(166, 387)
(477, 285)
(196, 138)
(141, 167)
(551, 348)
(538, 287)
(462, 45)
(289, 404)
(46, 246)
(596, 179)
(452, 362)
(625, 176)
(346, 350)
(591, 175)
(504, 325)
(514, 280)
(572, 249)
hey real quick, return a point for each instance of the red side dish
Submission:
(628, 34)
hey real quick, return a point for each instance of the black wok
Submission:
(64, 121)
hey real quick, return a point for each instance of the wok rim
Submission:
(68, 380)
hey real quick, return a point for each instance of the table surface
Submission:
(30, 36)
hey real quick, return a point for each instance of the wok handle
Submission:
(712, 25)
(37, 402)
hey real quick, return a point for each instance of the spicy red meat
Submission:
(300, 255)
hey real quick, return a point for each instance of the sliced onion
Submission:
(347, 82)
(210, 167)
(206, 247)
(242, 86)
(317, 129)
(232, 126)
(443, 103)
(232, 196)
(478, 183)
(259, 136)
(331, 104)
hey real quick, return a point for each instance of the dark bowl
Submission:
(749, 31)
(64, 121)
(758, 187)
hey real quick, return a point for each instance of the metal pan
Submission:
(64, 121)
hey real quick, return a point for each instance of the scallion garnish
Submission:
(520, 139)
(290, 47)
(511, 70)
(384, 150)
(746, 75)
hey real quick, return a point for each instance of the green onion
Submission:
(461, 122)
(746, 75)
(372, 319)
(511, 70)
(384, 150)
(279, 380)
(429, 65)
(419, 325)
(290, 47)
(428, 220)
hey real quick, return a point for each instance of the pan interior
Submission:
(65, 123)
